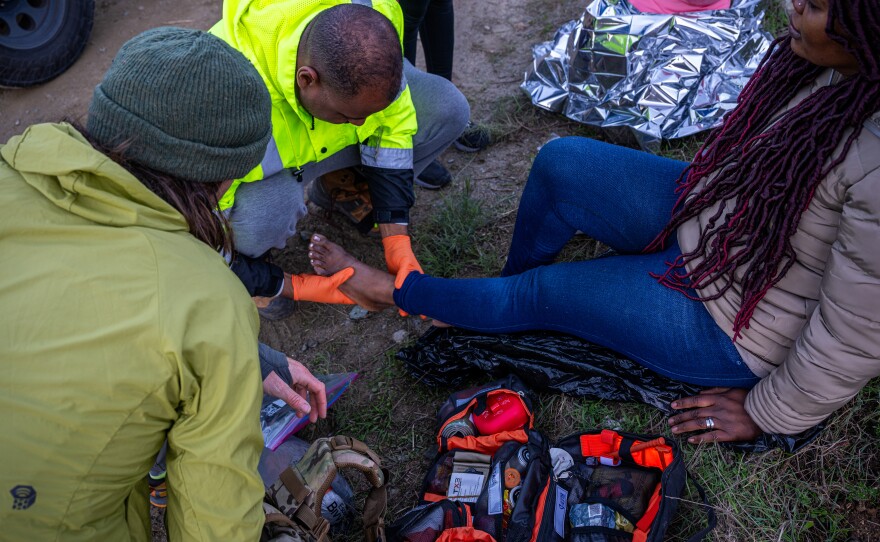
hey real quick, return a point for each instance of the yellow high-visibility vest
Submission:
(267, 32)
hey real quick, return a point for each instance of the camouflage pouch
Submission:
(293, 502)
(280, 528)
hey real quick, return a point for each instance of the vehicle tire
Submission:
(39, 39)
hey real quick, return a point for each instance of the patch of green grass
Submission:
(372, 421)
(580, 248)
(548, 16)
(385, 393)
(765, 497)
(560, 415)
(448, 241)
(682, 149)
(814, 494)
(775, 17)
(514, 116)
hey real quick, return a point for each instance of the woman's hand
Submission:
(721, 411)
(305, 395)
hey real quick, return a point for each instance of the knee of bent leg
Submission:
(460, 110)
(565, 160)
(256, 239)
(256, 233)
(451, 108)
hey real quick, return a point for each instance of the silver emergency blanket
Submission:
(660, 76)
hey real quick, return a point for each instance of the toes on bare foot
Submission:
(330, 256)
(318, 255)
(321, 243)
(317, 251)
(317, 265)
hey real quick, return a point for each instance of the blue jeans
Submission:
(622, 198)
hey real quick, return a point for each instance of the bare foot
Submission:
(371, 288)
(327, 257)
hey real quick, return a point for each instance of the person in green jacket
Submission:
(342, 97)
(122, 326)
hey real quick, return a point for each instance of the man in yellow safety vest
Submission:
(342, 97)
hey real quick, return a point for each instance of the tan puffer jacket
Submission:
(815, 337)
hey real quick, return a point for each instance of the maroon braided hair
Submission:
(770, 173)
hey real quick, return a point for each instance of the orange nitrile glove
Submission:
(400, 259)
(321, 289)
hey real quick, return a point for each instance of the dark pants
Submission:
(434, 21)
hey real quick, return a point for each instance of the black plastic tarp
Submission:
(554, 362)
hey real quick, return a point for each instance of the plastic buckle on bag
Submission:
(609, 461)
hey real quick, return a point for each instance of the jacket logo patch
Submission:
(23, 497)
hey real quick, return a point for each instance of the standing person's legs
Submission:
(413, 15)
(434, 21)
(438, 37)
(442, 113)
(611, 301)
(619, 196)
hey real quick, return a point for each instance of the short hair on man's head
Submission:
(354, 48)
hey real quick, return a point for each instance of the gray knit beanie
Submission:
(186, 104)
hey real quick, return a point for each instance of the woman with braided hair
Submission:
(765, 282)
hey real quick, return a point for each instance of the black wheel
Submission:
(39, 39)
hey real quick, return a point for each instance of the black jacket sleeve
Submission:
(260, 277)
(391, 192)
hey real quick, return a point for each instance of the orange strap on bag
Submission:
(321, 289)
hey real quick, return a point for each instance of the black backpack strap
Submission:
(482, 404)
(712, 521)
(624, 451)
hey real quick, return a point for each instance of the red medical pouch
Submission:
(489, 459)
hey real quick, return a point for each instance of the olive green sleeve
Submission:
(214, 489)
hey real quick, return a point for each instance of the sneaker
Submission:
(159, 496)
(278, 308)
(158, 491)
(475, 137)
(434, 177)
(347, 193)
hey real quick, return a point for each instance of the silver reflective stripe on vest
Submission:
(272, 159)
(368, 3)
(386, 158)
